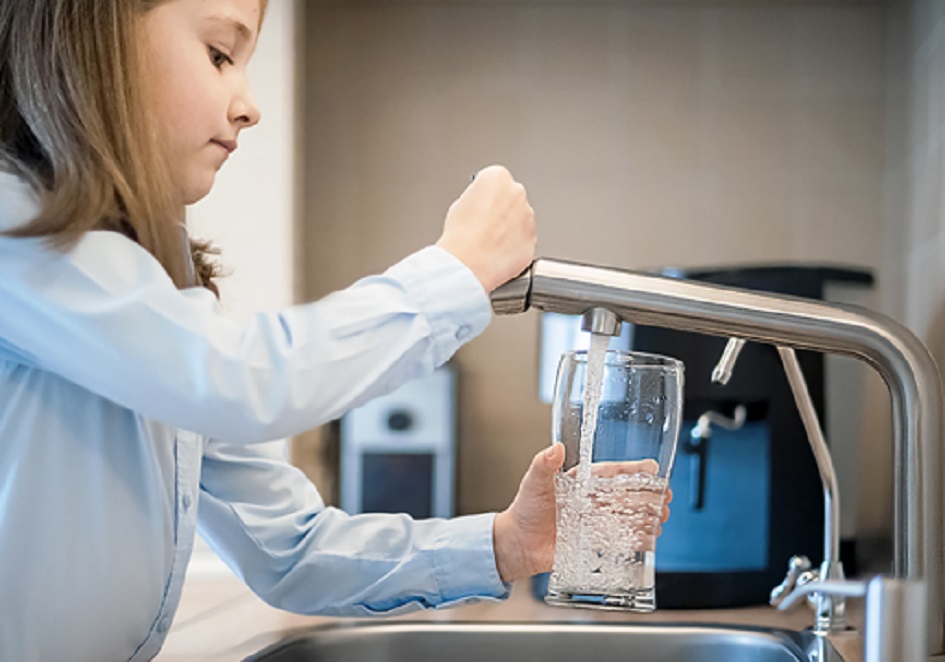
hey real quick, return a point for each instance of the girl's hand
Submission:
(491, 228)
(524, 533)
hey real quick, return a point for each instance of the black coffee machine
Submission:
(747, 493)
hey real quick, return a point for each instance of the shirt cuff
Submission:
(464, 561)
(450, 296)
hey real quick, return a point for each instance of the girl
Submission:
(127, 397)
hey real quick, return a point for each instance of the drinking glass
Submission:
(611, 489)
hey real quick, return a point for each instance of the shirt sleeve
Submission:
(106, 316)
(267, 522)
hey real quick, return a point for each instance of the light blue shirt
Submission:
(133, 413)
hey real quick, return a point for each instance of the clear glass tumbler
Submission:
(611, 489)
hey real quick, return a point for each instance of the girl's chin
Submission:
(195, 191)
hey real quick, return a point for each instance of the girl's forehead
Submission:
(242, 16)
(247, 12)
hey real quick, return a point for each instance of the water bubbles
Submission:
(608, 546)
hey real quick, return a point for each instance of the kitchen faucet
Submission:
(901, 359)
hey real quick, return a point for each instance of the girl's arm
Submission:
(106, 317)
(265, 519)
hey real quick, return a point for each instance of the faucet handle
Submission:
(800, 572)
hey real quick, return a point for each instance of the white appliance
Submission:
(398, 452)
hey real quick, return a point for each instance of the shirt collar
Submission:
(19, 203)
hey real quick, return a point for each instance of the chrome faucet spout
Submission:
(895, 352)
(601, 321)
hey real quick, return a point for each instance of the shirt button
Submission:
(188, 501)
(463, 332)
(164, 625)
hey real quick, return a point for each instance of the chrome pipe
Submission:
(894, 625)
(722, 372)
(895, 352)
(831, 610)
(818, 445)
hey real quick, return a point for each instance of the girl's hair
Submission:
(73, 122)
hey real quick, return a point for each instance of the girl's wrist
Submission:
(510, 559)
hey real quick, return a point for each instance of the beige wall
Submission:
(919, 230)
(914, 233)
(647, 135)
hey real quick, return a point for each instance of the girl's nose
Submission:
(243, 110)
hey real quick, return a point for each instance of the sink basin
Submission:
(544, 642)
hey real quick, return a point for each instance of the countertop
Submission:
(219, 619)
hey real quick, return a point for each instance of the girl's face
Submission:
(196, 53)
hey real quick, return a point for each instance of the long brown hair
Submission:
(73, 123)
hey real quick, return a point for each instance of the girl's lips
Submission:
(228, 145)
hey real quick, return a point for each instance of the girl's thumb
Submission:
(552, 458)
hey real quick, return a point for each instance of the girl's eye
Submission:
(218, 58)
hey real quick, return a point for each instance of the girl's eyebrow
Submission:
(229, 22)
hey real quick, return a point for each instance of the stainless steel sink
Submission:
(546, 642)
